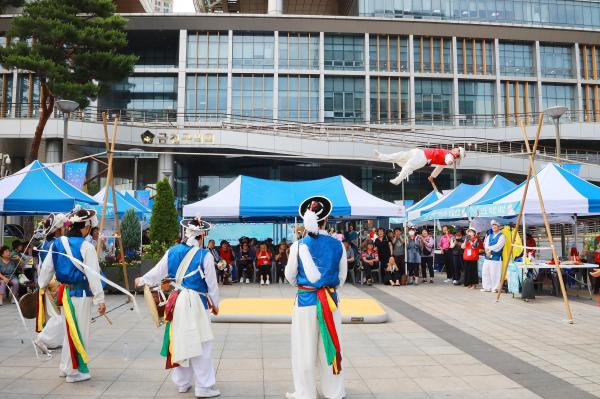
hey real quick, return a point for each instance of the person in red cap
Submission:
(417, 158)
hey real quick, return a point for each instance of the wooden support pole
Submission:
(108, 174)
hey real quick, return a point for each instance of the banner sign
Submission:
(75, 173)
(494, 210)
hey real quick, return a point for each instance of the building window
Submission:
(344, 99)
(558, 95)
(343, 52)
(298, 98)
(154, 95)
(520, 105)
(591, 104)
(476, 103)
(154, 49)
(298, 50)
(389, 99)
(516, 59)
(475, 56)
(433, 101)
(589, 60)
(252, 96)
(206, 97)
(207, 49)
(253, 50)
(433, 54)
(557, 61)
(388, 53)
(28, 96)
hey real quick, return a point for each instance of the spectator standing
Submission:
(281, 259)
(398, 242)
(245, 262)
(264, 260)
(392, 273)
(413, 253)
(470, 255)
(384, 247)
(370, 260)
(445, 242)
(351, 235)
(457, 256)
(426, 245)
(492, 266)
(8, 278)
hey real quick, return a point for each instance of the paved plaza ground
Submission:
(440, 342)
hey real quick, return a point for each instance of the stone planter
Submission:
(115, 274)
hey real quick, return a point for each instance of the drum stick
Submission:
(107, 319)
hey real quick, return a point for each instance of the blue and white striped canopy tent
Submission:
(455, 205)
(252, 199)
(37, 190)
(146, 212)
(122, 204)
(563, 192)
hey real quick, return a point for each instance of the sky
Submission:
(183, 6)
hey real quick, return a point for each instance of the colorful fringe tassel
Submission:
(167, 348)
(79, 357)
(40, 312)
(326, 305)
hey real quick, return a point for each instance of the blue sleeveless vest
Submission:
(45, 247)
(66, 272)
(326, 252)
(493, 240)
(194, 282)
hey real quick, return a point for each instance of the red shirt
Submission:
(436, 156)
(263, 258)
(226, 255)
(471, 251)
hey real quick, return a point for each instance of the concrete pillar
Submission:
(579, 93)
(166, 167)
(275, 7)
(181, 77)
(367, 103)
(456, 110)
(497, 96)
(53, 151)
(411, 83)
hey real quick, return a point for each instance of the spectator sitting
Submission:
(226, 254)
(351, 257)
(392, 273)
(7, 274)
(281, 258)
(245, 261)
(370, 260)
(263, 261)
(219, 268)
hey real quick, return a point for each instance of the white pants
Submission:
(308, 356)
(409, 161)
(491, 273)
(53, 333)
(83, 313)
(200, 373)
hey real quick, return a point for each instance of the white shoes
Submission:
(247, 281)
(262, 282)
(206, 392)
(268, 282)
(448, 280)
(78, 377)
(485, 290)
(290, 395)
(184, 388)
(41, 346)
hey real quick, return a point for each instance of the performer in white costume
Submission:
(418, 158)
(317, 264)
(52, 329)
(78, 290)
(188, 335)
(491, 272)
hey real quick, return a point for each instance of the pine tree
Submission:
(164, 227)
(131, 230)
(70, 45)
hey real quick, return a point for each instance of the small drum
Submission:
(28, 304)
(155, 302)
(222, 264)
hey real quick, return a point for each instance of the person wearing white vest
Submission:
(53, 332)
(317, 264)
(491, 272)
(188, 335)
(80, 287)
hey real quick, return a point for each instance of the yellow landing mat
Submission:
(279, 310)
